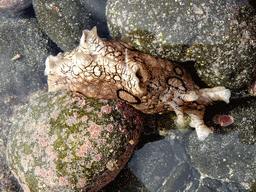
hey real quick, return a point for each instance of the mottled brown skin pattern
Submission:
(112, 70)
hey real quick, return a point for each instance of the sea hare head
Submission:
(97, 69)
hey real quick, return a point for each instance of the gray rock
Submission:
(204, 189)
(178, 178)
(125, 181)
(153, 163)
(230, 62)
(244, 116)
(223, 157)
(212, 184)
(211, 33)
(235, 187)
(24, 39)
(161, 165)
(224, 188)
(64, 21)
(10, 7)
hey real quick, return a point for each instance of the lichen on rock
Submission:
(62, 142)
(218, 36)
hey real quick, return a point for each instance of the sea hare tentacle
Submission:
(114, 70)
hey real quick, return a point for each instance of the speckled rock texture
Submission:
(22, 37)
(243, 113)
(59, 142)
(218, 36)
(63, 21)
(224, 157)
(231, 61)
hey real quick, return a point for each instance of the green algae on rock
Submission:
(219, 36)
(172, 24)
(154, 32)
(231, 62)
(65, 143)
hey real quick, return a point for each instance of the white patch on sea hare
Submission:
(114, 70)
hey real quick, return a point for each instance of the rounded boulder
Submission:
(62, 142)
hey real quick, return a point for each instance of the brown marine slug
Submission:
(114, 70)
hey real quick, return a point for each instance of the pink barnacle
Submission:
(43, 173)
(37, 170)
(85, 118)
(100, 114)
(83, 148)
(81, 183)
(50, 172)
(46, 180)
(97, 157)
(63, 181)
(89, 109)
(223, 120)
(81, 103)
(42, 142)
(76, 99)
(75, 114)
(95, 130)
(80, 154)
(110, 127)
(40, 171)
(107, 109)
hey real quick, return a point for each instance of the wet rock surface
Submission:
(182, 163)
(23, 50)
(64, 21)
(235, 160)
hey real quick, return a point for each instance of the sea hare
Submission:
(114, 70)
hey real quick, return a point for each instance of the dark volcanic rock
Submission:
(64, 21)
(24, 39)
(223, 157)
(219, 36)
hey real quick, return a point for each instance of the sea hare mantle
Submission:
(114, 70)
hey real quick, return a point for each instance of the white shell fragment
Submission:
(16, 57)
(114, 70)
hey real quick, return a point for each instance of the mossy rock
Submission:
(61, 142)
(219, 37)
(231, 63)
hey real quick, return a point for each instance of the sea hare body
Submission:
(114, 70)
